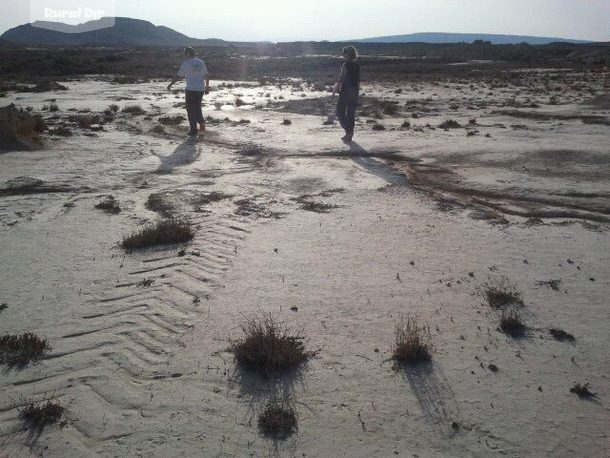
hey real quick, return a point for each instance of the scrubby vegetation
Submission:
(582, 390)
(164, 232)
(109, 204)
(269, 347)
(511, 324)
(37, 415)
(19, 128)
(277, 420)
(22, 349)
(501, 293)
(413, 343)
(134, 110)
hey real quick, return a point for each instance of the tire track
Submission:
(124, 342)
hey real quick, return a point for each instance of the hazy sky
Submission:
(287, 20)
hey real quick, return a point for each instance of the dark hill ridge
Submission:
(124, 32)
(434, 37)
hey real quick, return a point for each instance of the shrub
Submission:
(582, 391)
(41, 414)
(561, 335)
(171, 120)
(269, 347)
(239, 102)
(501, 293)
(378, 126)
(109, 205)
(134, 110)
(449, 124)
(511, 324)
(277, 421)
(114, 108)
(413, 343)
(20, 350)
(286, 122)
(164, 232)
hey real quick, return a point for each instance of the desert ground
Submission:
(453, 186)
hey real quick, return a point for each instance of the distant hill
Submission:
(433, 37)
(124, 32)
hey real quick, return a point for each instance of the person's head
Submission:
(189, 52)
(349, 53)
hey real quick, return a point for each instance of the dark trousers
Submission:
(346, 110)
(193, 108)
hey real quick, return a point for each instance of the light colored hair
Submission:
(351, 52)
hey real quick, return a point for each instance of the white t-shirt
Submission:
(194, 71)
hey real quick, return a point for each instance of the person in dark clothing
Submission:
(197, 84)
(348, 87)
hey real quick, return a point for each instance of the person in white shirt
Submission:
(195, 72)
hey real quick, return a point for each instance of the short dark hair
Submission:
(188, 51)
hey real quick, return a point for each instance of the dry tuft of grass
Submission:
(553, 284)
(109, 205)
(511, 324)
(20, 350)
(582, 391)
(502, 293)
(269, 347)
(378, 126)
(286, 122)
(171, 120)
(561, 335)
(40, 414)
(134, 110)
(413, 343)
(449, 124)
(277, 421)
(164, 232)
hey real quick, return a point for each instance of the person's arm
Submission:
(174, 80)
(339, 82)
(207, 84)
(177, 77)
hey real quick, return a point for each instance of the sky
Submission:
(291, 20)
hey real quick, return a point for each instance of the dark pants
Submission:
(346, 110)
(193, 108)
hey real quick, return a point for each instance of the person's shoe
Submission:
(192, 133)
(345, 139)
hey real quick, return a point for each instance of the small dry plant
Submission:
(582, 391)
(450, 124)
(163, 232)
(134, 110)
(561, 335)
(277, 420)
(269, 347)
(20, 350)
(511, 324)
(42, 413)
(501, 293)
(109, 205)
(413, 343)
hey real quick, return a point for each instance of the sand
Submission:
(409, 222)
